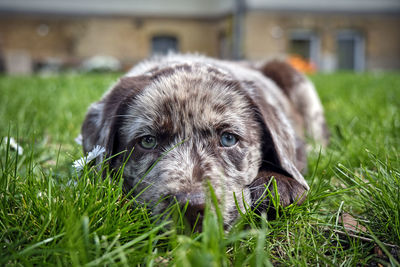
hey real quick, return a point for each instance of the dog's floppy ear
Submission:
(302, 95)
(104, 118)
(279, 152)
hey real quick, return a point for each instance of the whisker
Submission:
(258, 186)
(121, 115)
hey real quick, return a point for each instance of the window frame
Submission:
(315, 43)
(359, 47)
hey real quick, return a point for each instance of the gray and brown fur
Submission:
(187, 102)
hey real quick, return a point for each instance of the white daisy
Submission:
(14, 145)
(96, 152)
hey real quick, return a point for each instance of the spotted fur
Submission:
(187, 102)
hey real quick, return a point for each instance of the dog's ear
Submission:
(289, 190)
(104, 118)
(279, 151)
(302, 95)
(279, 141)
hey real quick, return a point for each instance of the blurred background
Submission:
(314, 35)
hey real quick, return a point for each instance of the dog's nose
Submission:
(195, 207)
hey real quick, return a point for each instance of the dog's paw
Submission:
(290, 191)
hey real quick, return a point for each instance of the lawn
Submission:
(51, 215)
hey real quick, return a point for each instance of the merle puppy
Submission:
(199, 119)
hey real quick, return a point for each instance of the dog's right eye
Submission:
(148, 142)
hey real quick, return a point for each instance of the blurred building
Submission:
(342, 34)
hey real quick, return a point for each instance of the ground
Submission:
(51, 215)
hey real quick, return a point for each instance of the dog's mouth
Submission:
(193, 205)
(195, 219)
(191, 208)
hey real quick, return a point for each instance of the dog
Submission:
(178, 122)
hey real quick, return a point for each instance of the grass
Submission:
(50, 215)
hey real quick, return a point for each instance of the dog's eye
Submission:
(228, 139)
(148, 142)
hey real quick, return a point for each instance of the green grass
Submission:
(49, 215)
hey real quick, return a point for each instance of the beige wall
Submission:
(383, 39)
(128, 39)
(25, 34)
(267, 35)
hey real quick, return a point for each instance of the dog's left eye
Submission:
(228, 139)
(148, 142)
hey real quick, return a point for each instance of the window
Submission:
(350, 51)
(164, 44)
(304, 43)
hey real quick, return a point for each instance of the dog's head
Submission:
(186, 125)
